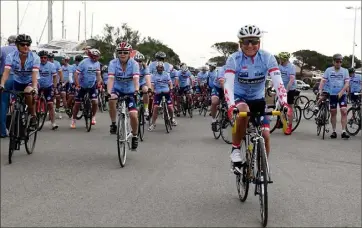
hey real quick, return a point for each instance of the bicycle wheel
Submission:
(43, 110)
(100, 103)
(87, 114)
(354, 122)
(80, 116)
(297, 116)
(225, 130)
(277, 123)
(301, 101)
(262, 182)
(165, 117)
(217, 133)
(13, 133)
(190, 109)
(122, 140)
(242, 182)
(141, 123)
(30, 142)
(308, 111)
(322, 119)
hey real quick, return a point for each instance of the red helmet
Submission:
(124, 46)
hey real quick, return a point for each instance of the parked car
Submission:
(302, 85)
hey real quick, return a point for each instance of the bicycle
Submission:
(141, 116)
(101, 99)
(41, 109)
(356, 116)
(166, 116)
(323, 116)
(205, 102)
(123, 130)
(220, 115)
(256, 168)
(19, 125)
(301, 101)
(185, 105)
(86, 110)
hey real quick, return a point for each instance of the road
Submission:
(180, 179)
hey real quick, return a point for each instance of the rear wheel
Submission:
(308, 111)
(297, 116)
(30, 138)
(88, 114)
(301, 101)
(354, 121)
(141, 123)
(226, 130)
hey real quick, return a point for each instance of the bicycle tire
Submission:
(299, 98)
(275, 124)
(100, 104)
(13, 135)
(263, 194)
(299, 117)
(80, 116)
(309, 108)
(183, 107)
(323, 120)
(121, 140)
(165, 117)
(225, 123)
(87, 113)
(358, 116)
(30, 149)
(141, 123)
(43, 114)
(242, 179)
(190, 109)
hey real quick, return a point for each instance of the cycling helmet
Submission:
(184, 67)
(51, 55)
(66, 57)
(105, 68)
(160, 55)
(337, 56)
(212, 64)
(78, 58)
(94, 52)
(23, 38)
(204, 68)
(124, 46)
(43, 53)
(11, 39)
(284, 55)
(139, 57)
(351, 70)
(249, 31)
(159, 64)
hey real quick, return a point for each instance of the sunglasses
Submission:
(123, 52)
(43, 57)
(24, 44)
(250, 41)
(338, 61)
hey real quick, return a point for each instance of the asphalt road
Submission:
(179, 179)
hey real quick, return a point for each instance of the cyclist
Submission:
(24, 65)
(212, 75)
(105, 82)
(355, 84)
(59, 82)
(244, 87)
(123, 79)
(77, 60)
(65, 86)
(184, 81)
(217, 94)
(161, 84)
(338, 80)
(144, 80)
(160, 56)
(202, 78)
(86, 77)
(47, 83)
(287, 70)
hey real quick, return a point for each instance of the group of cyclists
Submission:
(240, 83)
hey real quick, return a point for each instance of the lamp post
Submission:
(262, 41)
(355, 8)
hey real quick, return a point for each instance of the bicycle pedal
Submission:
(270, 182)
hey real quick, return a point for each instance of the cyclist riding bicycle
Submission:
(144, 80)
(355, 84)
(217, 94)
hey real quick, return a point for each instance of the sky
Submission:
(190, 28)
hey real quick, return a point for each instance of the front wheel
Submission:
(297, 116)
(43, 111)
(301, 101)
(29, 141)
(141, 123)
(354, 121)
(262, 183)
(122, 140)
(88, 114)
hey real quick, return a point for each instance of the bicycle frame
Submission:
(123, 112)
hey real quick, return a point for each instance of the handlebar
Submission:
(272, 113)
(357, 94)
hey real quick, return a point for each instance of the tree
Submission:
(226, 48)
(219, 60)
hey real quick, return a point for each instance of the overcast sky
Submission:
(191, 27)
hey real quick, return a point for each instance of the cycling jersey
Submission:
(173, 76)
(160, 82)
(202, 77)
(67, 70)
(183, 78)
(212, 76)
(46, 73)
(355, 83)
(286, 72)
(245, 77)
(152, 67)
(22, 75)
(143, 72)
(105, 77)
(4, 53)
(220, 76)
(87, 73)
(123, 80)
(336, 79)
(58, 68)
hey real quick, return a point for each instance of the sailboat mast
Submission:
(79, 26)
(50, 20)
(85, 21)
(17, 20)
(63, 35)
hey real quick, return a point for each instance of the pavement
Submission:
(74, 179)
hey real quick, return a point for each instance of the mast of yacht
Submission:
(63, 31)
(50, 20)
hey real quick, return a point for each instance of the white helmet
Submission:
(184, 67)
(204, 68)
(94, 52)
(160, 64)
(213, 64)
(249, 31)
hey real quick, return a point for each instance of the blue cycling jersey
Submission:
(123, 80)
(46, 73)
(202, 77)
(220, 76)
(22, 75)
(336, 79)
(212, 77)
(355, 83)
(58, 68)
(184, 78)
(87, 72)
(173, 76)
(286, 72)
(67, 70)
(105, 77)
(152, 67)
(143, 72)
(161, 82)
(250, 75)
